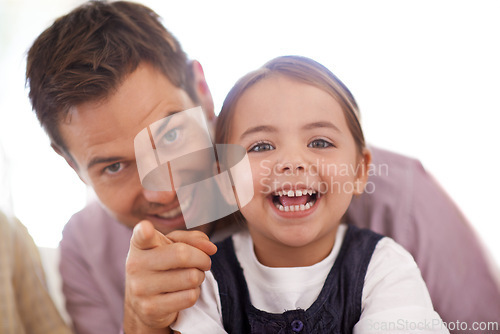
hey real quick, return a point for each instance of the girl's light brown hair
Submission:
(301, 69)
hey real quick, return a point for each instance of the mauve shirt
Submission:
(407, 205)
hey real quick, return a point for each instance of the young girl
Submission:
(298, 268)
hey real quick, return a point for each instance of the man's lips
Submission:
(176, 211)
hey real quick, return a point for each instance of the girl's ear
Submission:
(362, 171)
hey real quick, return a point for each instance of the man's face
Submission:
(100, 138)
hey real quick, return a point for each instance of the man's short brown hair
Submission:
(85, 55)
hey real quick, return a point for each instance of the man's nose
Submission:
(160, 197)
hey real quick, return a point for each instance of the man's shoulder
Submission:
(388, 200)
(92, 222)
(393, 159)
(393, 172)
(90, 217)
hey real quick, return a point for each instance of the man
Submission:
(105, 71)
(26, 304)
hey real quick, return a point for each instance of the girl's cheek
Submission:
(261, 178)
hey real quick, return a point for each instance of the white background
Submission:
(426, 75)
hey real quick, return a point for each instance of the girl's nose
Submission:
(292, 160)
(291, 166)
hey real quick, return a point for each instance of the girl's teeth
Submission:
(295, 193)
(294, 208)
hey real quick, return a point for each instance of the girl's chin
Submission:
(293, 241)
(291, 236)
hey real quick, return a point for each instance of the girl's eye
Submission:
(319, 143)
(261, 147)
(114, 168)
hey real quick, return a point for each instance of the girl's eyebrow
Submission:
(272, 129)
(321, 124)
(260, 128)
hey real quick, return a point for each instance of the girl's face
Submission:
(304, 162)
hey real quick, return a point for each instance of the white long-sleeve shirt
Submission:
(394, 300)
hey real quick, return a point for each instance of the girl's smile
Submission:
(294, 200)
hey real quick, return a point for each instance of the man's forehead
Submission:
(144, 97)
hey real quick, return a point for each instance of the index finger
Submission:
(146, 237)
(196, 239)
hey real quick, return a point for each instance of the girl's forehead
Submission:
(276, 86)
(282, 101)
(280, 93)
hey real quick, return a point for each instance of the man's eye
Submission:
(114, 168)
(319, 143)
(260, 147)
(170, 136)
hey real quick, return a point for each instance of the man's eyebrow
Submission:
(165, 122)
(321, 124)
(260, 128)
(100, 160)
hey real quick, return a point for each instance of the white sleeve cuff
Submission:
(204, 316)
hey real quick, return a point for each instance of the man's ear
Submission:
(362, 171)
(202, 90)
(69, 159)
